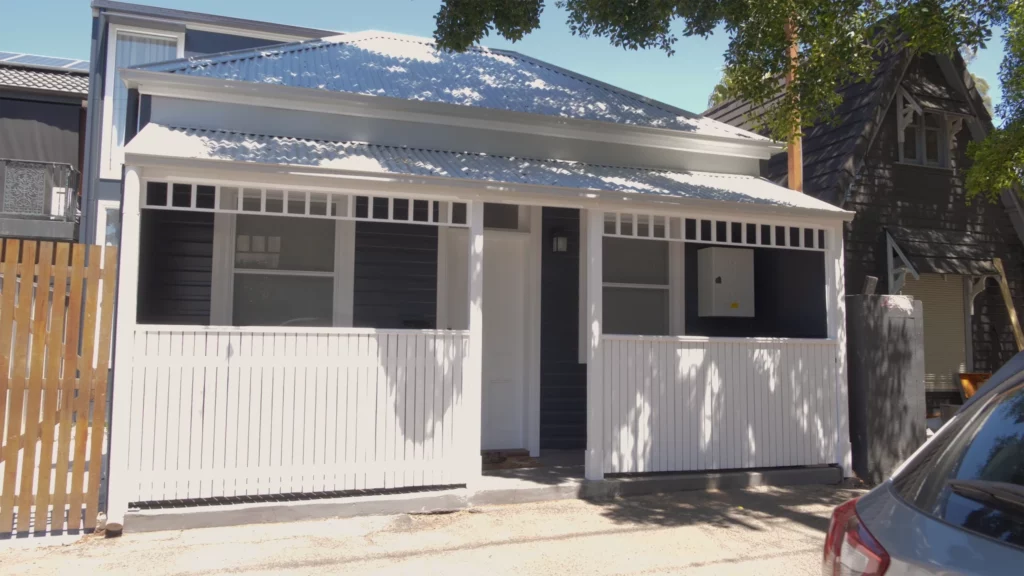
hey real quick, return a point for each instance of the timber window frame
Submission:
(925, 137)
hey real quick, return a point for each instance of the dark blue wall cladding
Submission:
(395, 284)
(176, 269)
(200, 42)
(563, 380)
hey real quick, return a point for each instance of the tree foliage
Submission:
(839, 41)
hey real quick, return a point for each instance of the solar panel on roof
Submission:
(82, 65)
(41, 60)
(6, 55)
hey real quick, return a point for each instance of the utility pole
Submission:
(795, 148)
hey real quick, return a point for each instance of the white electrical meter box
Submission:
(725, 282)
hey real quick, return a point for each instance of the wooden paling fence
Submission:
(56, 320)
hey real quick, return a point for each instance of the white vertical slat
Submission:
(437, 419)
(206, 346)
(307, 342)
(414, 384)
(349, 359)
(397, 371)
(216, 353)
(422, 350)
(254, 352)
(332, 430)
(291, 426)
(159, 415)
(428, 409)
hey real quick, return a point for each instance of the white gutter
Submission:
(383, 107)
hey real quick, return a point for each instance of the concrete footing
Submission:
(509, 487)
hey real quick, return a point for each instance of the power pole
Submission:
(795, 148)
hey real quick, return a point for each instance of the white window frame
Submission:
(112, 157)
(101, 220)
(913, 116)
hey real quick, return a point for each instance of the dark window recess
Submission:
(206, 196)
(401, 208)
(766, 235)
(296, 206)
(181, 195)
(780, 235)
(789, 297)
(421, 211)
(721, 230)
(972, 475)
(459, 213)
(156, 193)
(821, 239)
(808, 238)
(691, 229)
(176, 274)
(502, 216)
(362, 207)
(737, 233)
(751, 233)
(794, 237)
(435, 207)
(380, 209)
(705, 230)
(395, 276)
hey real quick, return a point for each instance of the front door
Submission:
(503, 420)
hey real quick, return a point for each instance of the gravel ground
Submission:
(748, 532)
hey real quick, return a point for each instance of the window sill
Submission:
(925, 166)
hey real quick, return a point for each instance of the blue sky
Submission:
(61, 28)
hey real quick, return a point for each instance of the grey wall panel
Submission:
(41, 131)
(200, 42)
(395, 276)
(563, 380)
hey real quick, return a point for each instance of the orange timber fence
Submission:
(56, 321)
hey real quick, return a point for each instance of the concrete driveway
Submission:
(749, 532)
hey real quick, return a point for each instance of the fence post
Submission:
(119, 477)
(594, 463)
(472, 379)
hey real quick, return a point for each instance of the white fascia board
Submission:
(311, 100)
(229, 172)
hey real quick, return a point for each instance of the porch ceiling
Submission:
(357, 157)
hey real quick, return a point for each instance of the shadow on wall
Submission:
(720, 405)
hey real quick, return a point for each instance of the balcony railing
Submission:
(38, 190)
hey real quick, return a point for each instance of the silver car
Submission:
(955, 507)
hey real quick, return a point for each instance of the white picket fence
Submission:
(224, 412)
(685, 403)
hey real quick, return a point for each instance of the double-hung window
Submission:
(127, 47)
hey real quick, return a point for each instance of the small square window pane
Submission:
(794, 237)
(751, 233)
(766, 235)
(675, 231)
(643, 226)
(318, 204)
(362, 207)
(181, 196)
(305, 244)
(421, 211)
(252, 200)
(659, 226)
(156, 194)
(626, 225)
(206, 197)
(275, 201)
(459, 215)
(721, 230)
(737, 233)
(691, 229)
(229, 198)
(635, 311)
(808, 238)
(296, 202)
(440, 212)
(339, 205)
(705, 230)
(401, 209)
(931, 146)
(610, 223)
(262, 300)
(821, 239)
(780, 235)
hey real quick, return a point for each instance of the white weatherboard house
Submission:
(354, 263)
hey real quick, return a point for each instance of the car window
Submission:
(972, 475)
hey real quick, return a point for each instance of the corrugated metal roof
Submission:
(18, 76)
(411, 68)
(193, 143)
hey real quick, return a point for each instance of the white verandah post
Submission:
(472, 376)
(118, 475)
(837, 330)
(594, 467)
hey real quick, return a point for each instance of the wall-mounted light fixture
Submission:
(559, 240)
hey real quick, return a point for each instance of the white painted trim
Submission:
(837, 331)
(581, 314)
(145, 328)
(442, 278)
(344, 273)
(111, 157)
(472, 379)
(719, 339)
(247, 33)
(534, 259)
(101, 219)
(638, 286)
(277, 272)
(678, 221)
(364, 106)
(222, 284)
(594, 462)
(228, 173)
(119, 475)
